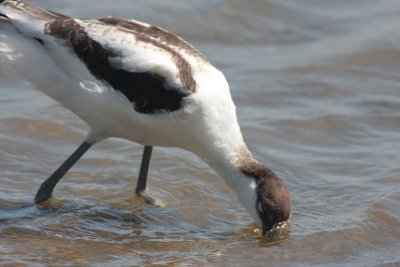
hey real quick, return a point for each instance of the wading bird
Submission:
(131, 80)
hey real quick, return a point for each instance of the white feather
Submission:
(132, 55)
(206, 125)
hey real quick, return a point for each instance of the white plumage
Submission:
(131, 80)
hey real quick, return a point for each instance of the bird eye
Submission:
(260, 207)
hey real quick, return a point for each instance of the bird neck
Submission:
(229, 167)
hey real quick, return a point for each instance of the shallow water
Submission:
(317, 87)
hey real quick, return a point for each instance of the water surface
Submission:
(317, 89)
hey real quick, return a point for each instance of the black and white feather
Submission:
(132, 80)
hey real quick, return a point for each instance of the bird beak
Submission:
(266, 229)
(281, 228)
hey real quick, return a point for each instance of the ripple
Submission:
(316, 86)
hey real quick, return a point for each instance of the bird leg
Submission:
(142, 179)
(144, 170)
(46, 188)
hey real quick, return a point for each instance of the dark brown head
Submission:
(272, 197)
(273, 202)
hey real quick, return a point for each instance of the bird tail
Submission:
(27, 18)
(21, 49)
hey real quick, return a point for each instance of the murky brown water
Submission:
(317, 85)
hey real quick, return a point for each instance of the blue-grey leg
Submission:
(46, 188)
(144, 170)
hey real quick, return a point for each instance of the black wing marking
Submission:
(149, 92)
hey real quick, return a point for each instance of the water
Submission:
(317, 88)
